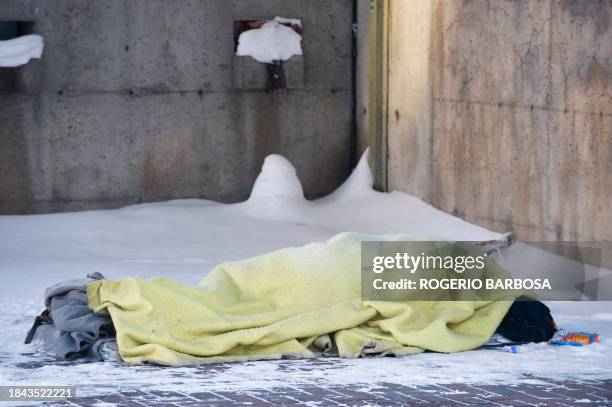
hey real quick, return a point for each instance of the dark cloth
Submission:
(69, 328)
(527, 321)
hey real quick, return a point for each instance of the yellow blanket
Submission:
(296, 302)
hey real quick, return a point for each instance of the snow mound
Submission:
(272, 42)
(358, 184)
(18, 51)
(277, 187)
(355, 206)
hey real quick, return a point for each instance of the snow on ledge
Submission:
(18, 51)
(272, 42)
(290, 21)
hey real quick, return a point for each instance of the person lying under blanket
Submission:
(292, 303)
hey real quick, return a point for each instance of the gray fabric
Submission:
(77, 332)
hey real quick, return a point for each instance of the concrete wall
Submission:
(410, 98)
(521, 113)
(133, 101)
(362, 93)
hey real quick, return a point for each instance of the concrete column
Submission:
(410, 98)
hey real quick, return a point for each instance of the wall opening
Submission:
(10, 77)
(249, 74)
(14, 29)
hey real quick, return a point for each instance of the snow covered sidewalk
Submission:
(314, 383)
(185, 239)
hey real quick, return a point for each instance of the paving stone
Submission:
(548, 393)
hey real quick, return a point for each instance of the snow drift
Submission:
(354, 207)
(18, 51)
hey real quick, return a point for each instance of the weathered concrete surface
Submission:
(410, 101)
(135, 101)
(521, 135)
(250, 74)
(362, 94)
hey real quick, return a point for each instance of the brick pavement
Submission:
(549, 393)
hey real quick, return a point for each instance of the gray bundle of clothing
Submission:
(70, 329)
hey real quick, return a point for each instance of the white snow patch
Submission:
(99, 403)
(272, 42)
(277, 190)
(184, 239)
(358, 185)
(354, 206)
(284, 20)
(18, 51)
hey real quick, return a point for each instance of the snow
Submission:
(354, 206)
(183, 239)
(277, 188)
(291, 21)
(272, 42)
(18, 51)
